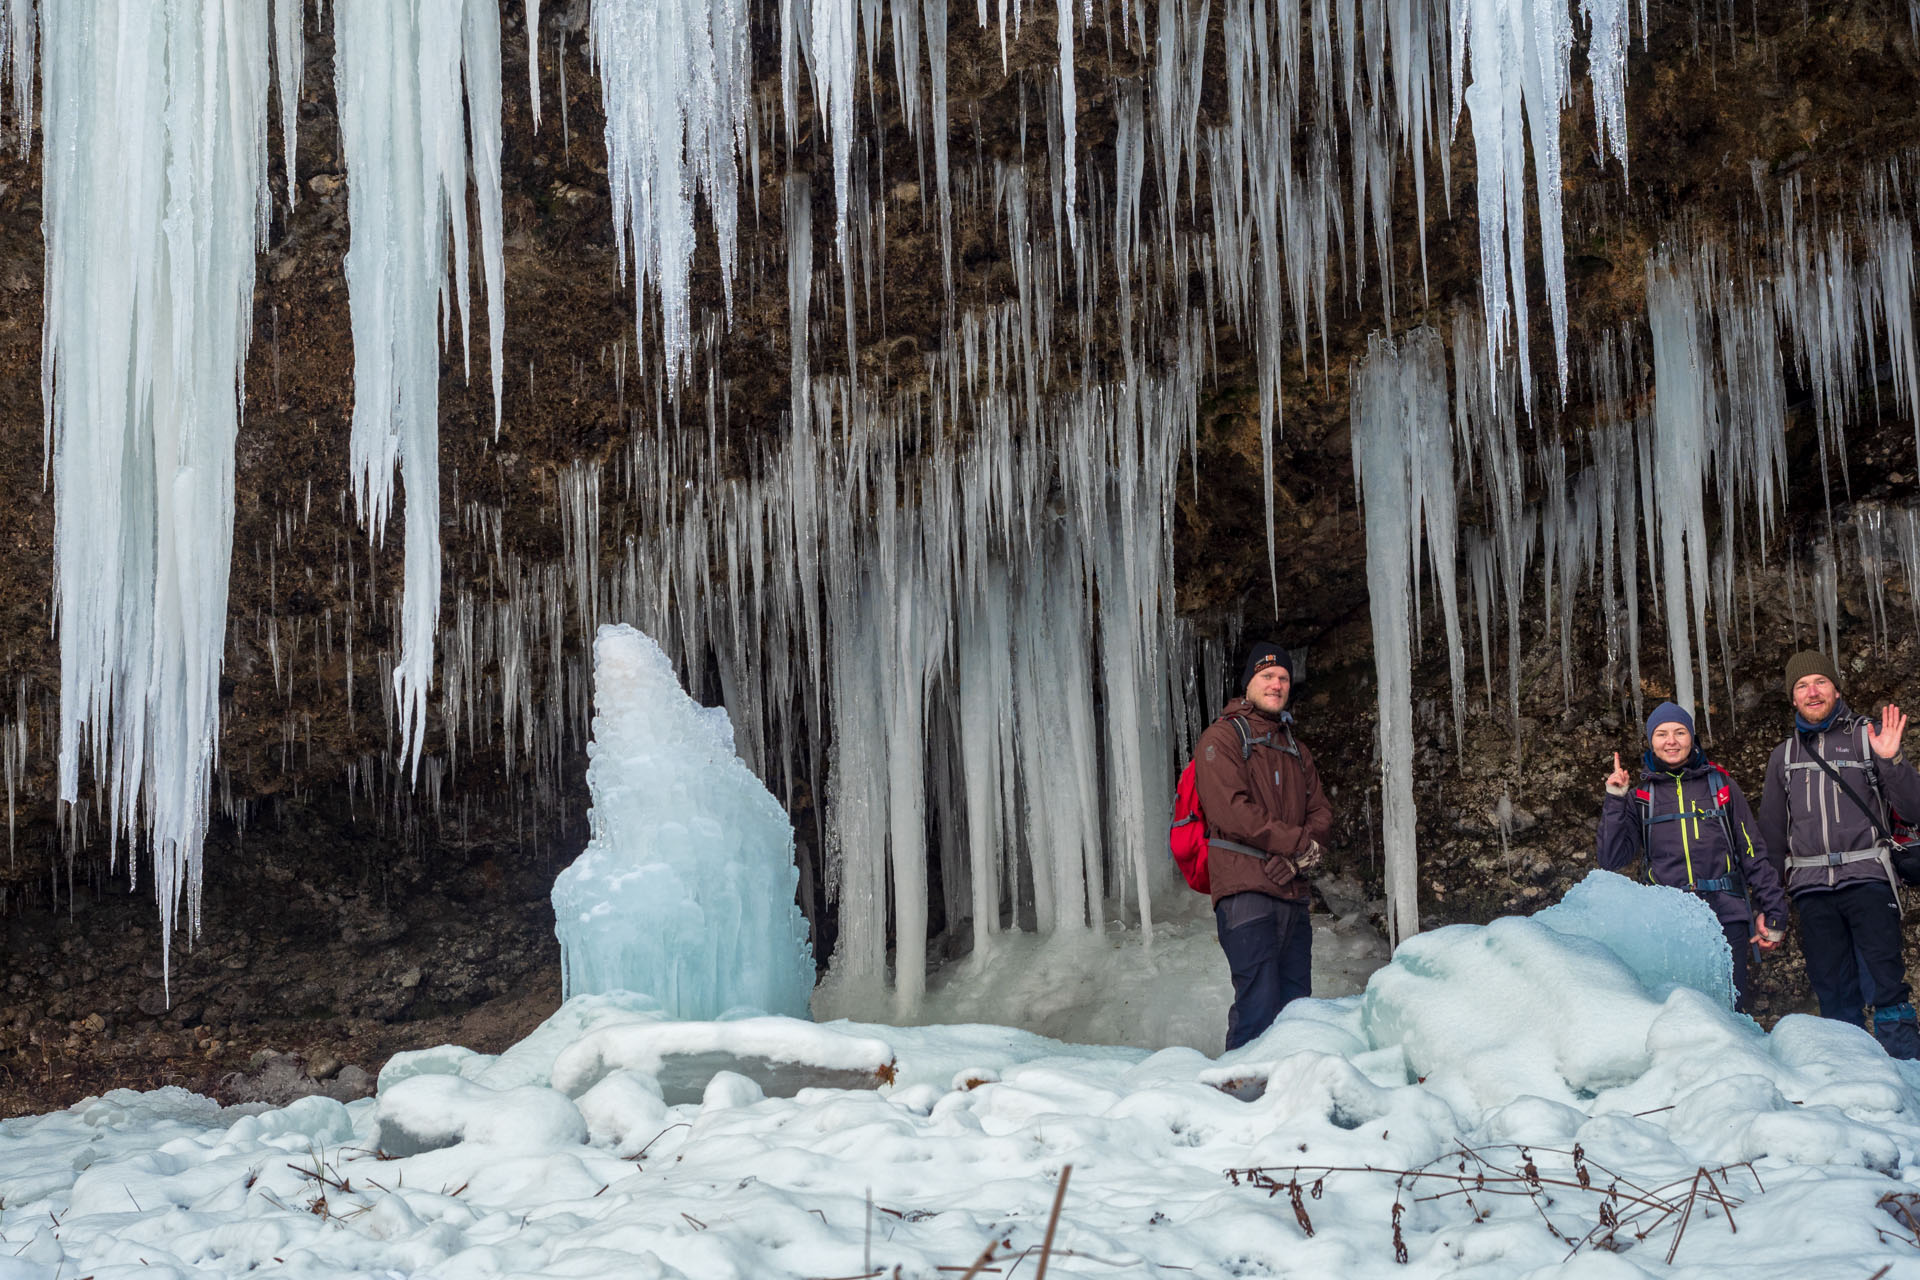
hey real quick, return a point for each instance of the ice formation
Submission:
(941, 604)
(419, 89)
(1510, 65)
(674, 74)
(1403, 464)
(16, 68)
(1667, 937)
(155, 122)
(685, 891)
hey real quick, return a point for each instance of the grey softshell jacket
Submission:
(1803, 812)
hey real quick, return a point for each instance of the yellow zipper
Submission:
(1686, 846)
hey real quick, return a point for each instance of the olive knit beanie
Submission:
(1809, 663)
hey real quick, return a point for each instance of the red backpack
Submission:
(1188, 838)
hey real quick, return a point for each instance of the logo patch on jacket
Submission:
(1209, 751)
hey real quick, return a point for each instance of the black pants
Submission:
(1269, 946)
(1740, 939)
(1851, 937)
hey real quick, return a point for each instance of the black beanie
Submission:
(1264, 653)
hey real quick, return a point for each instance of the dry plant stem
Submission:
(980, 1263)
(1053, 1220)
(1646, 1209)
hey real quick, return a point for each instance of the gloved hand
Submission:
(1309, 862)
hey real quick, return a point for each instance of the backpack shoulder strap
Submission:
(1723, 804)
(1246, 736)
(1643, 801)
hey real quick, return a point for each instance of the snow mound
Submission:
(781, 1055)
(429, 1112)
(686, 888)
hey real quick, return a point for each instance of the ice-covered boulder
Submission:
(686, 888)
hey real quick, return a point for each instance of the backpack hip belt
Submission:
(1801, 861)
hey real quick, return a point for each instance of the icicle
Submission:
(675, 76)
(1682, 412)
(155, 122)
(533, 61)
(935, 22)
(830, 58)
(1067, 117)
(290, 62)
(1434, 501)
(799, 226)
(399, 70)
(1399, 397)
(16, 66)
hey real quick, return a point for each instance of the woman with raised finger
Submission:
(1689, 820)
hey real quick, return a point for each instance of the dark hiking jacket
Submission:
(1803, 814)
(1686, 844)
(1269, 801)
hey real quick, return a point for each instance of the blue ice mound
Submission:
(685, 891)
(1668, 937)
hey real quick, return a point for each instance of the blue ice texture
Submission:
(685, 891)
(1668, 937)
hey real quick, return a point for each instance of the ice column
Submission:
(408, 138)
(685, 891)
(1682, 410)
(155, 119)
(1399, 403)
(674, 74)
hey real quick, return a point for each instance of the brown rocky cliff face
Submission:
(341, 898)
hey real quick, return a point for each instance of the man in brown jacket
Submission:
(1267, 819)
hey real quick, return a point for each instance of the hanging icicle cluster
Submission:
(155, 120)
(939, 601)
(674, 74)
(412, 136)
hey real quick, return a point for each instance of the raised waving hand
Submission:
(1886, 740)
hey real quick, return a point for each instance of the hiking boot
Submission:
(1897, 1028)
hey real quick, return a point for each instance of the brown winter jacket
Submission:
(1271, 800)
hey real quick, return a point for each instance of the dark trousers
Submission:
(1851, 938)
(1269, 946)
(1740, 940)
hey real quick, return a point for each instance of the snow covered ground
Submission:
(1499, 1101)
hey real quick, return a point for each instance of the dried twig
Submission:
(1053, 1220)
(1621, 1204)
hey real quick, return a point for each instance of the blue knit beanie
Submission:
(1669, 713)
